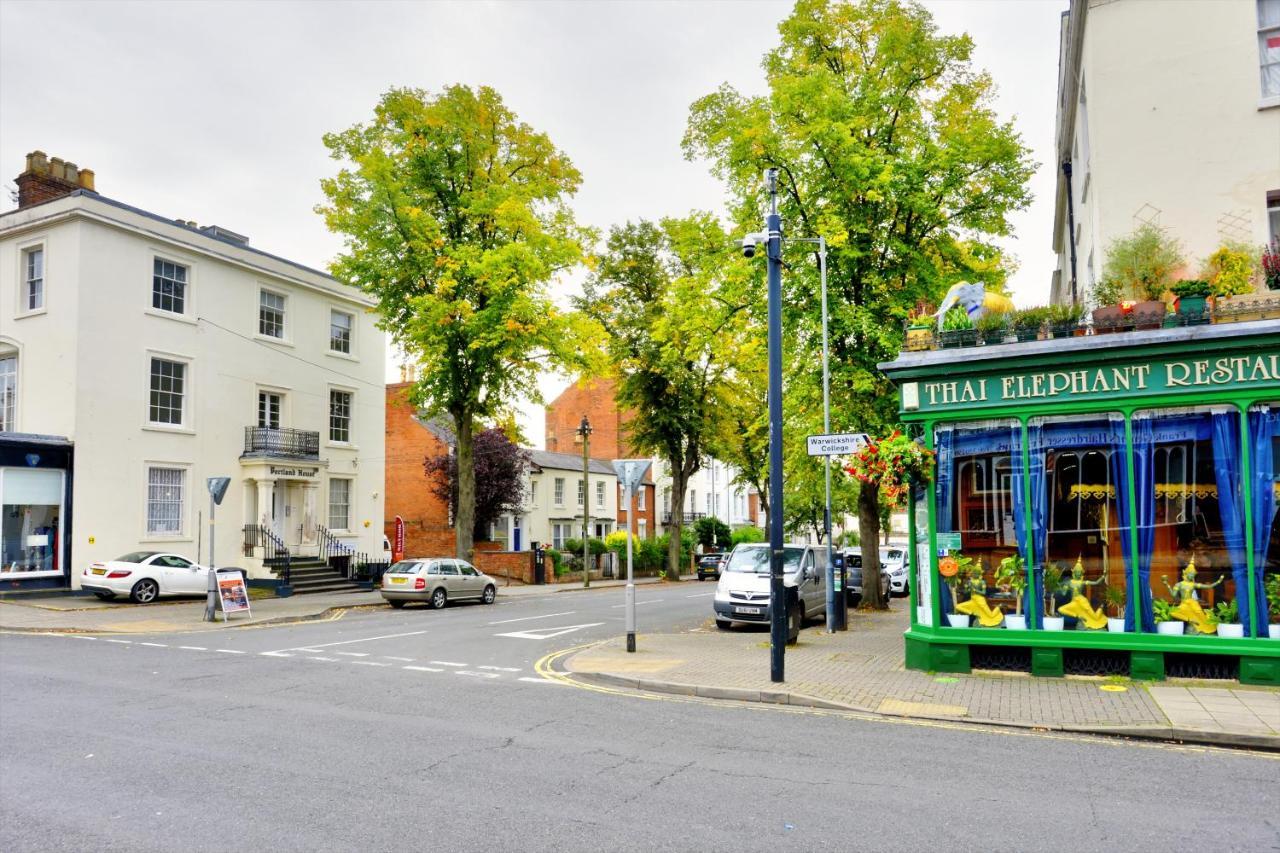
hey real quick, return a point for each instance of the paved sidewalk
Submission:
(862, 670)
(86, 614)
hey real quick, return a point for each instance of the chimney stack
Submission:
(47, 178)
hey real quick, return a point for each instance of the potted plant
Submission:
(991, 328)
(1064, 320)
(1165, 623)
(1011, 576)
(1143, 264)
(1052, 586)
(1270, 264)
(1114, 597)
(1227, 615)
(955, 574)
(1108, 316)
(1028, 322)
(1232, 271)
(1272, 588)
(957, 329)
(919, 331)
(1192, 295)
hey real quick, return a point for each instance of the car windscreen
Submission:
(135, 556)
(756, 560)
(853, 561)
(891, 554)
(404, 567)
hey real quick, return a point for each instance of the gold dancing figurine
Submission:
(1079, 606)
(1189, 609)
(988, 617)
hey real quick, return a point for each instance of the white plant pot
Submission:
(1054, 623)
(1230, 629)
(1273, 631)
(1115, 626)
(958, 620)
(1015, 623)
(1171, 627)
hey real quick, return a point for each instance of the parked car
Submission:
(144, 576)
(437, 581)
(742, 595)
(853, 574)
(893, 560)
(709, 565)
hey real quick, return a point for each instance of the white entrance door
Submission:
(279, 503)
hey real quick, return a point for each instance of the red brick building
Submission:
(595, 399)
(410, 440)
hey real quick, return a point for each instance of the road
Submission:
(430, 730)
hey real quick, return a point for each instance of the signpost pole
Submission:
(777, 590)
(836, 614)
(631, 584)
(213, 572)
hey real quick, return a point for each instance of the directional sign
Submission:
(630, 472)
(837, 444)
(547, 633)
(218, 487)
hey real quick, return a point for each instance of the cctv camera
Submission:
(749, 246)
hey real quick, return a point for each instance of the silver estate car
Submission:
(436, 580)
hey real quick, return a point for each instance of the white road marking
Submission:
(650, 601)
(531, 680)
(82, 637)
(370, 662)
(194, 648)
(423, 668)
(353, 654)
(393, 657)
(109, 640)
(317, 646)
(527, 618)
(501, 668)
(547, 633)
(327, 660)
(229, 651)
(276, 654)
(446, 663)
(476, 674)
(300, 649)
(700, 595)
(157, 645)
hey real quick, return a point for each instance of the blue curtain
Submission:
(1264, 426)
(944, 446)
(1143, 489)
(1039, 520)
(1229, 471)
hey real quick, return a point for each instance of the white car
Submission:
(144, 576)
(893, 560)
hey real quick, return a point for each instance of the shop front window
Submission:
(979, 513)
(1264, 453)
(30, 517)
(1079, 522)
(1189, 496)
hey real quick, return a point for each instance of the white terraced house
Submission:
(141, 355)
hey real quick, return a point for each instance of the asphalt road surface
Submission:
(431, 730)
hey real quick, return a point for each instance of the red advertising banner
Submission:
(397, 542)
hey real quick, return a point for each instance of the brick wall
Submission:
(45, 179)
(513, 565)
(407, 491)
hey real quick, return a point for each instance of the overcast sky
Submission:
(215, 111)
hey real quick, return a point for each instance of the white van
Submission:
(742, 595)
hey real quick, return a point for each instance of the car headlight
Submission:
(722, 595)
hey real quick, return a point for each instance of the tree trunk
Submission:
(869, 535)
(676, 529)
(464, 514)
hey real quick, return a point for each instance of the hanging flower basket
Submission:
(893, 464)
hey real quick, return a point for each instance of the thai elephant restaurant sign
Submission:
(1131, 380)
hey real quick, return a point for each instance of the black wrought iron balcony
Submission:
(282, 443)
(686, 517)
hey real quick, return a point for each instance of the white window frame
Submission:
(186, 286)
(533, 493)
(351, 333)
(642, 528)
(264, 291)
(184, 502)
(28, 279)
(351, 411)
(640, 497)
(582, 491)
(329, 505)
(9, 378)
(558, 531)
(559, 491)
(600, 492)
(1267, 99)
(38, 244)
(265, 410)
(1273, 215)
(186, 424)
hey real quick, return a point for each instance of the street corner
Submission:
(612, 657)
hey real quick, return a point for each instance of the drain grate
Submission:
(1094, 662)
(1183, 665)
(1001, 658)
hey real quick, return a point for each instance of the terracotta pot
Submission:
(1109, 319)
(1148, 315)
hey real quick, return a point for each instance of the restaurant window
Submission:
(1264, 454)
(1080, 522)
(1190, 517)
(979, 513)
(30, 518)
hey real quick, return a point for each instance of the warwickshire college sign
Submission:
(1228, 373)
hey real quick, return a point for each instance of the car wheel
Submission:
(490, 593)
(439, 599)
(794, 617)
(144, 591)
(105, 596)
(723, 624)
(396, 603)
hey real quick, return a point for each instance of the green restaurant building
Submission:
(1100, 504)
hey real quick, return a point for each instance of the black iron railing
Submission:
(286, 443)
(687, 517)
(275, 554)
(364, 567)
(333, 551)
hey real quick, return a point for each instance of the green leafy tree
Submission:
(712, 533)
(887, 144)
(750, 533)
(454, 215)
(673, 296)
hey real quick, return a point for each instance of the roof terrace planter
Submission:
(1132, 474)
(266, 443)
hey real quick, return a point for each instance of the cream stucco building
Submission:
(140, 355)
(1168, 113)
